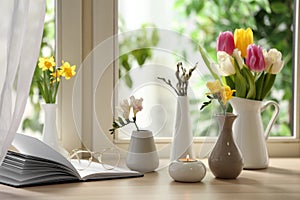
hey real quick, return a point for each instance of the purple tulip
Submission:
(255, 58)
(226, 42)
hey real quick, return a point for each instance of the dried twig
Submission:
(182, 77)
(169, 83)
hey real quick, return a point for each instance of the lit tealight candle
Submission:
(187, 170)
(187, 159)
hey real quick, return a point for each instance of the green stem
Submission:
(137, 128)
(46, 89)
(134, 121)
(55, 92)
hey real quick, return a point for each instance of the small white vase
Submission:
(142, 155)
(183, 136)
(50, 136)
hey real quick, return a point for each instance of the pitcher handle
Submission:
(274, 116)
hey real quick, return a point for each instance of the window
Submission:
(272, 27)
(97, 94)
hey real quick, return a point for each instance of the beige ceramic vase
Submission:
(142, 154)
(225, 160)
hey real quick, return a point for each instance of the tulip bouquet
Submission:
(245, 66)
(135, 105)
(49, 81)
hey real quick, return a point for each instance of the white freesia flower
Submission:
(225, 63)
(124, 112)
(136, 104)
(238, 57)
(125, 107)
(273, 61)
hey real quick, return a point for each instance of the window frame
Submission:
(89, 27)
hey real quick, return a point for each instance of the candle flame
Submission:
(187, 157)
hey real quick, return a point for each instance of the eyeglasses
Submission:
(109, 158)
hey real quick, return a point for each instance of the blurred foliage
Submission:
(32, 122)
(135, 48)
(272, 24)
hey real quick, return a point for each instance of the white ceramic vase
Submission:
(50, 135)
(182, 136)
(142, 155)
(249, 133)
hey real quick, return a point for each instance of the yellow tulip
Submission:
(242, 38)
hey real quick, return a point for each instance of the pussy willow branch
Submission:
(169, 83)
(182, 78)
(183, 83)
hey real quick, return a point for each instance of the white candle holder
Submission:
(187, 170)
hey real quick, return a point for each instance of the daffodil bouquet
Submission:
(135, 105)
(48, 82)
(243, 65)
(219, 92)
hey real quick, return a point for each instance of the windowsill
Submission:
(280, 181)
(213, 140)
(277, 147)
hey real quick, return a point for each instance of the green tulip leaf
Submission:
(240, 82)
(230, 82)
(259, 86)
(251, 83)
(240, 85)
(268, 83)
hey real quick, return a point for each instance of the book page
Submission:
(34, 147)
(97, 171)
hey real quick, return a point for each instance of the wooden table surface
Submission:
(280, 181)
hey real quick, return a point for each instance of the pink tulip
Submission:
(226, 42)
(255, 58)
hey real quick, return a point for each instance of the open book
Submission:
(35, 163)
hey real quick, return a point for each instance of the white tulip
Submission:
(225, 63)
(238, 57)
(273, 61)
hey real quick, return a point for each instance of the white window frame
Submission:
(81, 26)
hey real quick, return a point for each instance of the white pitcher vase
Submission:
(183, 136)
(249, 132)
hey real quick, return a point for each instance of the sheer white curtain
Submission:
(21, 29)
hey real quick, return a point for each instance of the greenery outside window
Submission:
(271, 21)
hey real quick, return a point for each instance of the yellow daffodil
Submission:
(226, 94)
(214, 87)
(46, 63)
(49, 81)
(68, 71)
(242, 38)
(222, 93)
(55, 76)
